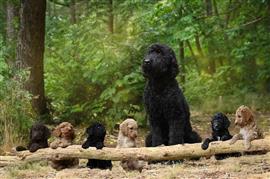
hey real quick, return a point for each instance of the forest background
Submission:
(80, 60)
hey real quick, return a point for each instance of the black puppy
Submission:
(39, 135)
(220, 124)
(96, 134)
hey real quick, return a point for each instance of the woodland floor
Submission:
(251, 166)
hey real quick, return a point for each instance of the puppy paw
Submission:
(85, 145)
(232, 142)
(204, 146)
(247, 145)
(53, 146)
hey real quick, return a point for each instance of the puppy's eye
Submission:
(131, 128)
(238, 116)
(158, 51)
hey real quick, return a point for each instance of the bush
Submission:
(218, 92)
(92, 77)
(16, 115)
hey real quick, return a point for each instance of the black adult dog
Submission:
(96, 134)
(220, 124)
(39, 135)
(165, 103)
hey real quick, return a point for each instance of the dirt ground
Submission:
(249, 166)
(256, 166)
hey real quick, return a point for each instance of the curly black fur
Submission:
(96, 134)
(148, 140)
(220, 124)
(39, 135)
(165, 103)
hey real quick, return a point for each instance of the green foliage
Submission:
(15, 106)
(92, 74)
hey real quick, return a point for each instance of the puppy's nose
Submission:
(215, 126)
(147, 61)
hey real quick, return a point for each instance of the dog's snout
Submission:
(215, 126)
(147, 61)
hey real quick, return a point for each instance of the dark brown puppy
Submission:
(38, 139)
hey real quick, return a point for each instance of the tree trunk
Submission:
(211, 58)
(175, 152)
(49, 8)
(182, 60)
(198, 45)
(208, 7)
(215, 8)
(211, 48)
(193, 56)
(72, 7)
(12, 17)
(31, 49)
(110, 22)
(87, 6)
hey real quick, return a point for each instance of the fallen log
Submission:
(9, 160)
(174, 152)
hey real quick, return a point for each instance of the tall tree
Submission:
(211, 48)
(110, 21)
(72, 7)
(182, 60)
(31, 48)
(12, 16)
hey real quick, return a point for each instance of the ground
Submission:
(251, 166)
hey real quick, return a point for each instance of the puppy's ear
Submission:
(47, 133)
(226, 122)
(89, 131)
(57, 131)
(248, 115)
(72, 136)
(31, 130)
(251, 116)
(123, 128)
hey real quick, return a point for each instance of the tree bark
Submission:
(193, 56)
(49, 8)
(198, 45)
(211, 48)
(111, 18)
(208, 7)
(72, 7)
(12, 17)
(174, 152)
(215, 8)
(182, 60)
(9, 160)
(31, 49)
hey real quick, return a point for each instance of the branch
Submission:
(59, 3)
(248, 23)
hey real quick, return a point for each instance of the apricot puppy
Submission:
(244, 119)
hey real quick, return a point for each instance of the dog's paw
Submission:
(204, 146)
(247, 145)
(231, 142)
